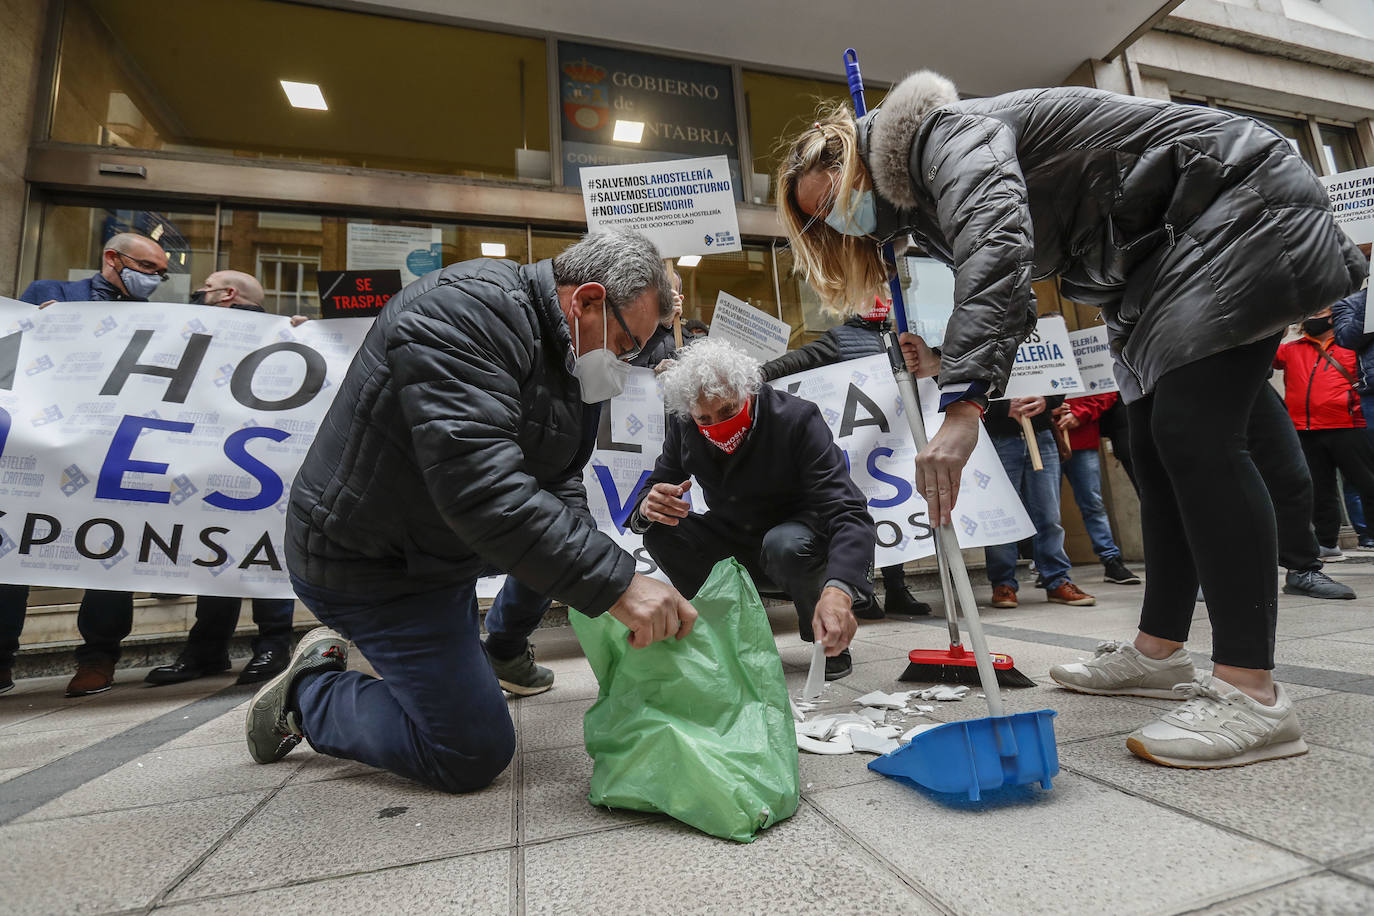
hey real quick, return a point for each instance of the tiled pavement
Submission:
(145, 799)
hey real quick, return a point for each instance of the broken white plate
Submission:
(836, 746)
(879, 700)
(887, 731)
(944, 693)
(918, 729)
(823, 728)
(868, 742)
(876, 716)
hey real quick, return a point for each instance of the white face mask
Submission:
(599, 373)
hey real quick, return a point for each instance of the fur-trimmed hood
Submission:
(890, 130)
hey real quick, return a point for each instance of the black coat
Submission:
(855, 338)
(1195, 230)
(455, 446)
(787, 467)
(660, 346)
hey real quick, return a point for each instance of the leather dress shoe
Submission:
(265, 664)
(91, 677)
(186, 669)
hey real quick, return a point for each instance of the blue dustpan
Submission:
(978, 755)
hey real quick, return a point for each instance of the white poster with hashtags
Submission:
(151, 447)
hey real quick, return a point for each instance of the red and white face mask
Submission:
(878, 311)
(728, 434)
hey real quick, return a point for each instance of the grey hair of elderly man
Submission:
(625, 263)
(709, 378)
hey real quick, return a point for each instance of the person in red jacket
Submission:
(1319, 391)
(1079, 418)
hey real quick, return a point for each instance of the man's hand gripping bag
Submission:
(699, 729)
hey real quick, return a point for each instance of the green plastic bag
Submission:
(699, 729)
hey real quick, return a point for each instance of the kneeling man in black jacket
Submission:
(779, 495)
(455, 448)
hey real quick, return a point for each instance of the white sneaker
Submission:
(1118, 669)
(1330, 554)
(1220, 727)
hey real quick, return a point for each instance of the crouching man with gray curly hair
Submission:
(780, 497)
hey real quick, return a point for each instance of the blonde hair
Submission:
(843, 269)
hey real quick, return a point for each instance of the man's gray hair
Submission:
(624, 262)
(707, 370)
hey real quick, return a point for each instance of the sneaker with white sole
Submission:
(1330, 554)
(520, 675)
(272, 728)
(1219, 726)
(1118, 669)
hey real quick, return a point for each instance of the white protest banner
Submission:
(413, 250)
(637, 413)
(1044, 363)
(860, 403)
(754, 331)
(151, 447)
(685, 206)
(1093, 354)
(1352, 203)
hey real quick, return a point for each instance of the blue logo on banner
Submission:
(982, 479)
(184, 489)
(831, 416)
(226, 565)
(968, 524)
(6, 542)
(194, 326)
(107, 324)
(73, 479)
(709, 241)
(225, 373)
(41, 364)
(50, 414)
(633, 425)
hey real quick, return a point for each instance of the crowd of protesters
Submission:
(457, 443)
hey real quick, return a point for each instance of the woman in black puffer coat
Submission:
(1200, 235)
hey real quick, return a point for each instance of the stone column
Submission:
(21, 43)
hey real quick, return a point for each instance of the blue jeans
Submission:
(1039, 491)
(513, 616)
(436, 714)
(1084, 471)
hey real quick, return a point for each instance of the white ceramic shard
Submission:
(867, 742)
(918, 729)
(876, 716)
(811, 745)
(879, 700)
(887, 731)
(815, 677)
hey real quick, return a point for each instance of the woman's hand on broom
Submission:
(921, 361)
(941, 464)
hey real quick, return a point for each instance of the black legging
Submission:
(1205, 513)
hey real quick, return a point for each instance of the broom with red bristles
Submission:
(955, 664)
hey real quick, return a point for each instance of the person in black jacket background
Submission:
(780, 498)
(857, 336)
(455, 448)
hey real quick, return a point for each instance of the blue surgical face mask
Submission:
(862, 218)
(139, 285)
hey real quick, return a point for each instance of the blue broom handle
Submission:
(856, 92)
(947, 543)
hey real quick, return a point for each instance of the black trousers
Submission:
(217, 617)
(791, 556)
(1205, 512)
(1278, 454)
(1328, 450)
